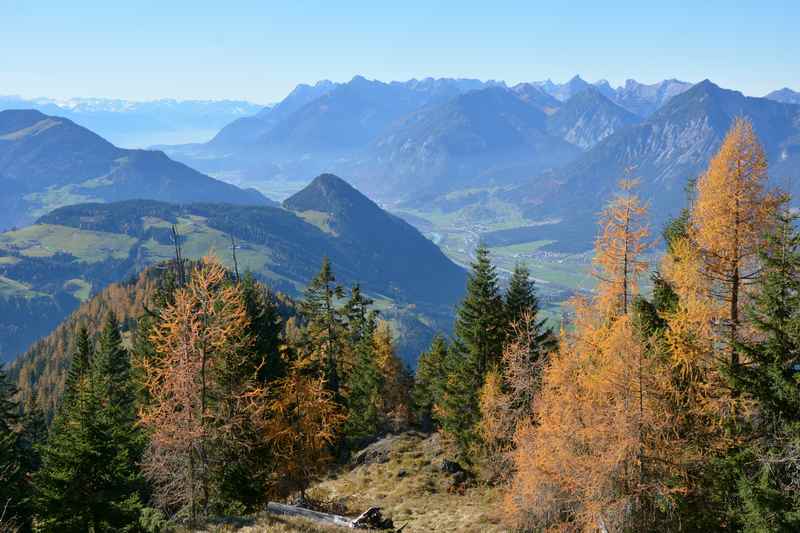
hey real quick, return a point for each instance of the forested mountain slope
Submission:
(77, 250)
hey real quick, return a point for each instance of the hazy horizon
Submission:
(259, 53)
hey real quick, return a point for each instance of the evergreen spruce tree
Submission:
(89, 480)
(249, 461)
(15, 491)
(364, 401)
(521, 299)
(265, 330)
(111, 367)
(521, 294)
(481, 320)
(360, 319)
(764, 466)
(80, 364)
(324, 322)
(480, 333)
(34, 433)
(429, 382)
(457, 410)
(114, 388)
(365, 383)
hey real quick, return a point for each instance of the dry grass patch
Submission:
(407, 484)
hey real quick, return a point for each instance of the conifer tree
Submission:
(200, 339)
(113, 386)
(429, 381)
(457, 410)
(80, 364)
(300, 420)
(264, 329)
(765, 461)
(324, 322)
(522, 305)
(88, 480)
(729, 219)
(112, 370)
(360, 319)
(481, 322)
(619, 248)
(245, 464)
(712, 268)
(364, 402)
(15, 491)
(480, 332)
(521, 294)
(595, 453)
(364, 381)
(396, 378)
(34, 433)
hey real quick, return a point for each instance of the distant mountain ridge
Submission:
(645, 99)
(249, 129)
(356, 110)
(785, 95)
(410, 141)
(48, 161)
(588, 117)
(135, 124)
(490, 136)
(537, 97)
(671, 147)
(638, 98)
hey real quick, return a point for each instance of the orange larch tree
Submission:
(195, 337)
(619, 247)
(396, 378)
(592, 455)
(711, 265)
(300, 419)
(508, 392)
(729, 221)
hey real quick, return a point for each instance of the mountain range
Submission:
(434, 134)
(665, 151)
(137, 124)
(49, 161)
(415, 143)
(588, 117)
(48, 268)
(480, 138)
(785, 95)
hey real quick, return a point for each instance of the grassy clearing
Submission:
(155, 222)
(411, 489)
(404, 479)
(515, 250)
(12, 288)
(79, 288)
(55, 197)
(201, 240)
(319, 219)
(45, 240)
(566, 274)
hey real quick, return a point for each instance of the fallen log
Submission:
(369, 519)
(316, 516)
(372, 519)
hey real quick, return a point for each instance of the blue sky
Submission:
(260, 50)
